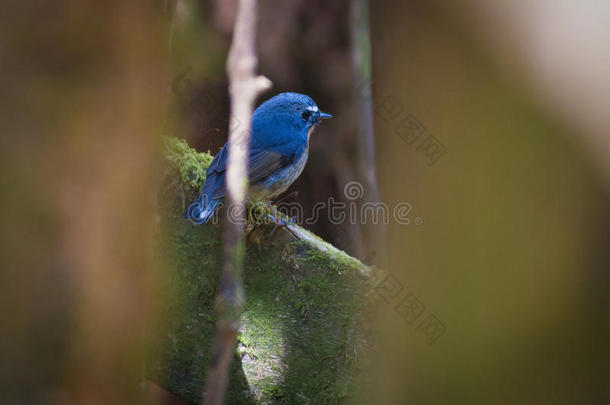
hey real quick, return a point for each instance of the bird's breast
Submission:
(276, 183)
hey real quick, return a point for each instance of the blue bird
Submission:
(279, 146)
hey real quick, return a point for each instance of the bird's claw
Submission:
(279, 222)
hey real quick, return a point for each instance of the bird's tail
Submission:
(202, 209)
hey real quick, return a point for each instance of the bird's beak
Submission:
(323, 115)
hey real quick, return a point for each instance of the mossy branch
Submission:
(304, 329)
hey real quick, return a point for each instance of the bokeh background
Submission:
(508, 244)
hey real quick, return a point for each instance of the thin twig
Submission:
(244, 87)
(170, 10)
(365, 141)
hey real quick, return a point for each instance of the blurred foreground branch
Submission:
(244, 87)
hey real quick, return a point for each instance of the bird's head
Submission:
(292, 111)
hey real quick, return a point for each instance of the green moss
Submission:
(303, 316)
(190, 163)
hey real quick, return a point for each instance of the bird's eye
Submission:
(306, 115)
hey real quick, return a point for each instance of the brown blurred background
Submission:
(512, 255)
(509, 254)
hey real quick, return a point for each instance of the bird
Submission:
(279, 147)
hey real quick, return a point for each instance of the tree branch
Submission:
(244, 87)
(375, 238)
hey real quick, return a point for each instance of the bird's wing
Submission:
(264, 162)
(261, 163)
(219, 163)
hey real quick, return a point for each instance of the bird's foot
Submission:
(273, 207)
(279, 223)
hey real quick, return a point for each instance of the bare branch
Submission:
(244, 87)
